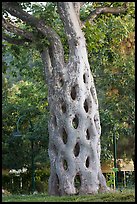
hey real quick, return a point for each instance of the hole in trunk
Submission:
(75, 122)
(64, 136)
(77, 182)
(76, 149)
(65, 164)
(63, 107)
(87, 162)
(86, 106)
(84, 78)
(73, 92)
(87, 134)
(96, 120)
(57, 183)
(61, 82)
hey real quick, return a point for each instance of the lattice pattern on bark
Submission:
(74, 132)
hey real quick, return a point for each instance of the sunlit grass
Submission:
(127, 195)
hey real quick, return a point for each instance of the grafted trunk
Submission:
(74, 142)
(74, 128)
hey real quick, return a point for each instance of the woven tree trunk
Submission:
(74, 128)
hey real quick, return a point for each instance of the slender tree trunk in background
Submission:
(74, 127)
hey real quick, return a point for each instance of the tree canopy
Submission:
(110, 43)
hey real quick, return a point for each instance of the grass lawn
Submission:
(127, 195)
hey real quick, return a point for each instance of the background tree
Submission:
(111, 54)
(24, 95)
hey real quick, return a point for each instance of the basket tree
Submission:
(74, 126)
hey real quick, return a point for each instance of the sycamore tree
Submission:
(74, 126)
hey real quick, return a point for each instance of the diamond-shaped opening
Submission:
(64, 136)
(86, 105)
(63, 107)
(75, 122)
(77, 182)
(57, 183)
(87, 162)
(76, 149)
(87, 134)
(73, 92)
(65, 164)
(61, 82)
(84, 78)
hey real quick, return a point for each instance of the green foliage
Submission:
(24, 94)
(48, 13)
(41, 178)
(12, 181)
(115, 169)
(110, 179)
(110, 43)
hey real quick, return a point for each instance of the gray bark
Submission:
(74, 128)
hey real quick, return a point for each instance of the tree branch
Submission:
(57, 52)
(104, 10)
(77, 7)
(47, 64)
(15, 41)
(13, 29)
(15, 9)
